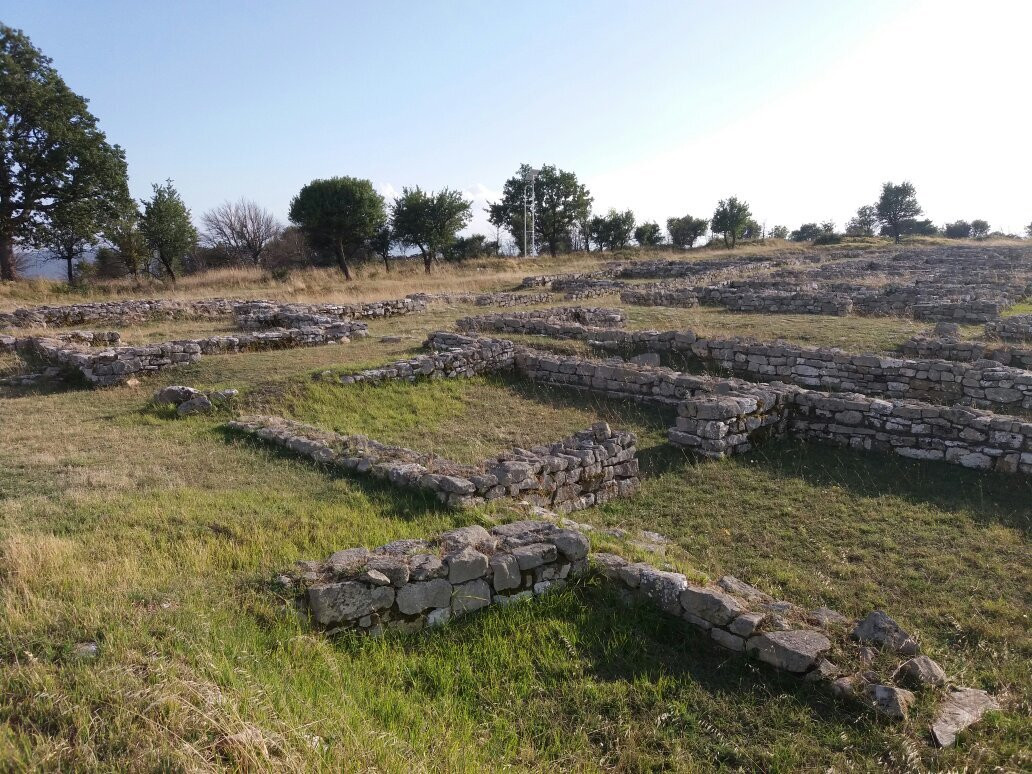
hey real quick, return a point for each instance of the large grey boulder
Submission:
(505, 572)
(333, 603)
(794, 651)
(960, 709)
(197, 405)
(174, 394)
(473, 536)
(711, 605)
(414, 598)
(470, 596)
(571, 543)
(663, 588)
(920, 671)
(889, 700)
(465, 565)
(879, 629)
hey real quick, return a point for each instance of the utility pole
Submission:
(528, 210)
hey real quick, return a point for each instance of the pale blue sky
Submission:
(663, 107)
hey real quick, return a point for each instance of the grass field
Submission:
(158, 539)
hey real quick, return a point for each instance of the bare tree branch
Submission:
(242, 228)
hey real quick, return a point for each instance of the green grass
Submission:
(157, 539)
(1025, 307)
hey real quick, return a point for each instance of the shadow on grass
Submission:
(606, 639)
(993, 498)
(397, 502)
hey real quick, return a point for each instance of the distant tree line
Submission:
(64, 191)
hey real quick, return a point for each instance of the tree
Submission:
(648, 234)
(779, 232)
(166, 226)
(58, 174)
(979, 228)
(806, 233)
(730, 219)
(289, 250)
(467, 248)
(958, 229)
(897, 205)
(128, 242)
(612, 230)
(863, 223)
(381, 243)
(1028, 230)
(243, 229)
(560, 204)
(338, 217)
(429, 221)
(685, 231)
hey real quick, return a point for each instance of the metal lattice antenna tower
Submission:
(528, 210)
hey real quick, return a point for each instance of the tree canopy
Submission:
(958, 229)
(560, 204)
(60, 179)
(648, 234)
(685, 231)
(167, 228)
(979, 228)
(429, 221)
(896, 206)
(863, 223)
(338, 216)
(730, 220)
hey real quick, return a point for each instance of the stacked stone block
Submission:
(511, 299)
(1017, 328)
(586, 469)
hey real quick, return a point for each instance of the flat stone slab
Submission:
(962, 707)
(794, 650)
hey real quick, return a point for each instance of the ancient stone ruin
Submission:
(586, 469)
(409, 585)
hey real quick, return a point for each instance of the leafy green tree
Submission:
(730, 220)
(429, 221)
(58, 174)
(561, 202)
(863, 223)
(338, 217)
(958, 229)
(166, 226)
(468, 248)
(685, 231)
(648, 234)
(779, 232)
(128, 242)
(979, 228)
(913, 227)
(806, 233)
(613, 230)
(897, 205)
(1028, 230)
(381, 243)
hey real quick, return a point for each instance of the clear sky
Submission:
(801, 108)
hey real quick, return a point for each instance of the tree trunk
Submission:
(342, 261)
(6, 257)
(387, 263)
(428, 257)
(167, 263)
(71, 272)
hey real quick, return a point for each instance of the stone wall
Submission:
(252, 315)
(413, 584)
(586, 469)
(716, 426)
(122, 312)
(1017, 328)
(978, 383)
(546, 322)
(672, 296)
(117, 365)
(929, 347)
(452, 356)
(511, 299)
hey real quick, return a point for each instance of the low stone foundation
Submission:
(117, 365)
(586, 469)
(716, 426)
(967, 351)
(553, 322)
(1018, 328)
(252, 315)
(511, 299)
(122, 312)
(410, 585)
